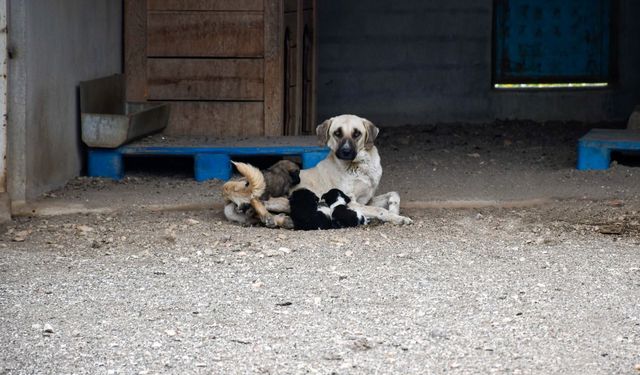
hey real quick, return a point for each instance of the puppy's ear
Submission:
(370, 135)
(347, 200)
(295, 177)
(322, 131)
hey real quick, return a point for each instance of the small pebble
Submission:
(285, 250)
(47, 330)
(170, 332)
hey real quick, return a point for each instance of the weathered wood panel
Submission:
(273, 68)
(216, 119)
(293, 5)
(205, 34)
(291, 31)
(206, 79)
(218, 5)
(290, 6)
(309, 72)
(135, 57)
(308, 4)
(299, 69)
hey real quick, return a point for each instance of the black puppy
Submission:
(305, 213)
(341, 215)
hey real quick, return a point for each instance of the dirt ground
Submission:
(544, 288)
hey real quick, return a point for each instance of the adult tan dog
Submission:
(353, 166)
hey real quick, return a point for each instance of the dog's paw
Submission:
(406, 220)
(401, 220)
(283, 221)
(269, 221)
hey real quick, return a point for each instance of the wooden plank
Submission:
(205, 79)
(205, 34)
(311, 71)
(273, 67)
(291, 30)
(217, 5)
(290, 6)
(216, 119)
(299, 68)
(135, 56)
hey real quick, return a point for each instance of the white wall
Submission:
(55, 44)
(3, 94)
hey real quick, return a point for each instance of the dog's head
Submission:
(335, 197)
(287, 168)
(284, 167)
(346, 135)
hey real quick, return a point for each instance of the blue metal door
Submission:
(552, 41)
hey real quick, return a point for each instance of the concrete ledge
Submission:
(5, 208)
(43, 209)
(59, 208)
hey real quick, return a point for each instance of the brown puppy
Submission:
(280, 178)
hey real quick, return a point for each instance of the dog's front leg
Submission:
(280, 204)
(379, 213)
(265, 216)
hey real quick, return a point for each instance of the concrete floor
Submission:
(130, 289)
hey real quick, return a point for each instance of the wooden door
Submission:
(300, 67)
(219, 63)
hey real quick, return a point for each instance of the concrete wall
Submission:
(427, 61)
(3, 95)
(55, 44)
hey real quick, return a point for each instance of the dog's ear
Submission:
(346, 198)
(370, 135)
(322, 131)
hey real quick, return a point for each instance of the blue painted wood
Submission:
(594, 149)
(209, 162)
(311, 158)
(593, 158)
(552, 40)
(105, 163)
(234, 151)
(210, 166)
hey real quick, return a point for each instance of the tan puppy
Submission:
(256, 186)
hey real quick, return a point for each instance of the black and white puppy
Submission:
(310, 213)
(341, 215)
(305, 213)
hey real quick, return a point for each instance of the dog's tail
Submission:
(254, 176)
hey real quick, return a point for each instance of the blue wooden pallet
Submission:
(594, 149)
(210, 160)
